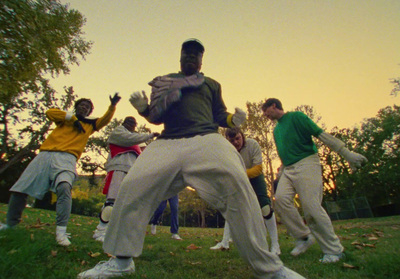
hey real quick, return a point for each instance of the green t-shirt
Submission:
(293, 137)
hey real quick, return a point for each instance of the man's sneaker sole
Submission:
(332, 258)
(104, 270)
(300, 249)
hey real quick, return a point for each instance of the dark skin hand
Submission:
(115, 99)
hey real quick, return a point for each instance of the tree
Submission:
(190, 202)
(379, 140)
(38, 39)
(396, 86)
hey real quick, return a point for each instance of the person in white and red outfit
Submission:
(124, 149)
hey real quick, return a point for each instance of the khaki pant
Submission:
(212, 166)
(305, 179)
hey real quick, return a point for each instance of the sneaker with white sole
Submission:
(302, 245)
(328, 258)
(176, 236)
(285, 273)
(4, 227)
(220, 246)
(101, 238)
(99, 232)
(62, 239)
(107, 269)
(153, 229)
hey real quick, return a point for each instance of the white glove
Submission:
(239, 117)
(355, 160)
(139, 101)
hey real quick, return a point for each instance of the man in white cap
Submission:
(191, 108)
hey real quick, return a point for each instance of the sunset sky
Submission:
(337, 56)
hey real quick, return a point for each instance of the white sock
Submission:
(61, 229)
(123, 263)
(227, 235)
(272, 230)
(102, 225)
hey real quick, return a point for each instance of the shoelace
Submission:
(104, 264)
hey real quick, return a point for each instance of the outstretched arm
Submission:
(355, 160)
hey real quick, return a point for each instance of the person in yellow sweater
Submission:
(54, 168)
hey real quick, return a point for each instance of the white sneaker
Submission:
(285, 273)
(107, 269)
(4, 227)
(275, 249)
(99, 232)
(220, 246)
(302, 245)
(62, 239)
(153, 229)
(327, 258)
(176, 236)
(101, 238)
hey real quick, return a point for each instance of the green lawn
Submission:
(30, 251)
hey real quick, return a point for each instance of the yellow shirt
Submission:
(66, 138)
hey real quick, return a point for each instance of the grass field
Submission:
(30, 251)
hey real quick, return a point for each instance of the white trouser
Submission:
(212, 166)
(305, 179)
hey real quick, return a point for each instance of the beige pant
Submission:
(212, 166)
(305, 179)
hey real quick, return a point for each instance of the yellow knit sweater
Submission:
(66, 138)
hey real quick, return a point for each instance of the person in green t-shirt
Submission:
(301, 174)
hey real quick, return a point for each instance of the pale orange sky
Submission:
(337, 56)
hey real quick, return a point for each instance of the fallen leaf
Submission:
(94, 255)
(195, 263)
(193, 247)
(32, 236)
(13, 251)
(372, 238)
(54, 253)
(83, 262)
(172, 253)
(345, 265)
